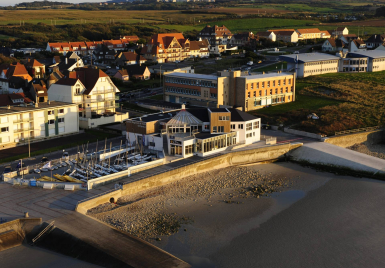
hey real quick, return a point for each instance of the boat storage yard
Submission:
(87, 169)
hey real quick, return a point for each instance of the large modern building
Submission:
(230, 88)
(29, 121)
(307, 64)
(94, 93)
(363, 61)
(198, 131)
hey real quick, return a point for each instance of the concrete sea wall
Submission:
(221, 161)
(373, 137)
(12, 233)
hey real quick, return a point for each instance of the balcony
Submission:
(20, 120)
(22, 129)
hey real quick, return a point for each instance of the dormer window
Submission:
(77, 89)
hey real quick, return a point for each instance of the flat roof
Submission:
(219, 110)
(41, 106)
(373, 54)
(308, 57)
(259, 76)
(196, 76)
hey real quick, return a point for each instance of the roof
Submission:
(18, 70)
(184, 118)
(218, 30)
(326, 32)
(263, 33)
(197, 45)
(135, 69)
(268, 75)
(41, 106)
(284, 32)
(89, 77)
(67, 81)
(169, 66)
(376, 38)
(309, 30)
(193, 75)
(33, 63)
(340, 28)
(6, 99)
(219, 110)
(308, 57)
(131, 56)
(200, 113)
(281, 30)
(239, 116)
(336, 42)
(372, 54)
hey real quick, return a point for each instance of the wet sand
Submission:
(320, 220)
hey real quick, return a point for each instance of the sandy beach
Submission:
(314, 219)
(376, 150)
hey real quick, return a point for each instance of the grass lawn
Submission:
(301, 102)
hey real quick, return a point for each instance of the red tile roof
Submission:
(6, 99)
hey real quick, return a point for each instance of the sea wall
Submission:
(220, 161)
(12, 233)
(373, 137)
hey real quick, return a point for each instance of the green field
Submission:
(296, 8)
(261, 24)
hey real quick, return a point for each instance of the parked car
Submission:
(250, 63)
(7, 169)
(265, 126)
(296, 52)
(66, 156)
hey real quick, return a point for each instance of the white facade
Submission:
(248, 131)
(18, 124)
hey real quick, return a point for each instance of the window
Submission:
(4, 119)
(51, 122)
(263, 84)
(252, 85)
(271, 92)
(224, 118)
(255, 124)
(60, 120)
(4, 129)
(232, 126)
(248, 94)
(268, 84)
(257, 103)
(50, 112)
(214, 129)
(260, 93)
(221, 129)
(240, 126)
(61, 111)
(273, 83)
(255, 94)
(249, 126)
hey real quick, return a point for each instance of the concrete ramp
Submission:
(321, 153)
(130, 250)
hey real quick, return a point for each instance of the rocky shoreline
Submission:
(376, 150)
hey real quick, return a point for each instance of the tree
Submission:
(380, 12)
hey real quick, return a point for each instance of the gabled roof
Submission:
(89, 77)
(239, 116)
(6, 99)
(131, 56)
(200, 113)
(309, 30)
(67, 81)
(18, 70)
(376, 38)
(135, 69)
(340, 28)
(289, 33)
(219, 31)
(336, 42)
(33, 63)
(197, 45)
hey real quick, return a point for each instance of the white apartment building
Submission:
(24, 122)
(94, 93)
(371, 60)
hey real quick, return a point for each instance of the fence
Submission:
(356, 130)
(54, 162)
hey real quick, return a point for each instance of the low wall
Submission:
(373, 137)
(55, 184)
(302, 133)
(220, 161)
(13, 233)
(131, 170)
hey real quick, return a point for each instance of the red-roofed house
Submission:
(129, 58)
(218, 36)
(169, 47)
(311, 33)
(35, 68)
(93, 91)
